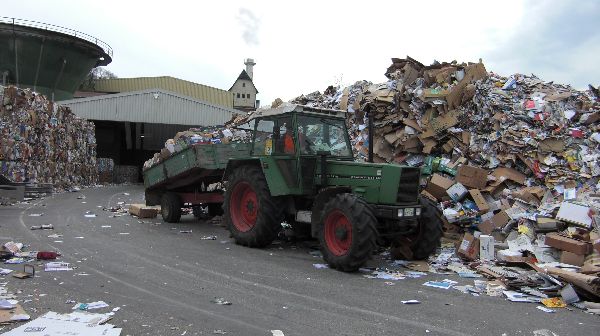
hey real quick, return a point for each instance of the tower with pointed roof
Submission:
(243, 90)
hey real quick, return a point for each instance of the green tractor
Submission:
(301, 170)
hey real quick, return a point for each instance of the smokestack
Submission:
(249, 62)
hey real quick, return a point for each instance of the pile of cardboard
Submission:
(200, 136)
(42, 142)
(513, 162)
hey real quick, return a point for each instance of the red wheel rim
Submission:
(338, 233)
(244, 207)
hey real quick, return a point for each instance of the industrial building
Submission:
(132, 126)
(135, 116)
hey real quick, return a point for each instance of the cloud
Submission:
(250, 24)
(555, 40)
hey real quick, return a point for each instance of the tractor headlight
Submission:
(418, 212)
(400, 212)
(409, 212)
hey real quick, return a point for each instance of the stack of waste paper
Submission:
(42, 142)
(106, 168)
(513, 163)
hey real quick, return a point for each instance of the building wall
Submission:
(243, 88)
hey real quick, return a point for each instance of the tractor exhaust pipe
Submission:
(370, 127)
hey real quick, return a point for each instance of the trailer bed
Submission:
(193, 165)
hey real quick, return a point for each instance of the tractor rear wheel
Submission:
(429, 232)
(170, 207)
(348, 232)
(251, 214)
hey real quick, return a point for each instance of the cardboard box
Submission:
(544, 223)
(438, 185)
(473, 72)
(561, 242)
(486, 247)
(502, 174)
(486, 227)
(567, 257)
(500, 219)
(469, 247)
(457, 192)
(472, 177)
(480, 201)
(442, 123)
(508, 255)
(493, 223)
(142, 211)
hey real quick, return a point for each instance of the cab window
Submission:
(274, 136)
(316, 134)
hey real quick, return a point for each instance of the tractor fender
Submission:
(319, 203)
(233, 164)
(273, 172)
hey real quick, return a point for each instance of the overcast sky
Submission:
(304, 46)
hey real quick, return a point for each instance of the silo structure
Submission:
(50, 59)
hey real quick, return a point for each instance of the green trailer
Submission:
(184, 178)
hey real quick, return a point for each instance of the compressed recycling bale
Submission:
(43, 142)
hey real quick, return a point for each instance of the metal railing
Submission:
(58, 29)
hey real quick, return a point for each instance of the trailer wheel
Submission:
(252, 215)
(348, 232)
(215, 209)
(429, 234)
(170, 207)
(197, 211)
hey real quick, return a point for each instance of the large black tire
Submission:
(347, 232)
(170, 207)
(429, 232)
(251, 214)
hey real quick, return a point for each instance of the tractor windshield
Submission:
(317, 134)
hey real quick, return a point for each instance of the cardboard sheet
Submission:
(575, 214)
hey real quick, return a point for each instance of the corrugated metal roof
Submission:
(183, 87)
(151, 106)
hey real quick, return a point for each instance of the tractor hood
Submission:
(377, 183)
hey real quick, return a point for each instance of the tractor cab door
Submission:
(320, 139)
(274, 139)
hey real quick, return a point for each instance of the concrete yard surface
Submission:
(167, 280)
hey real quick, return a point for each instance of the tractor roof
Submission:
(295, 108)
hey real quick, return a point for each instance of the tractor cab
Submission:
(301, 131)
(293, 142)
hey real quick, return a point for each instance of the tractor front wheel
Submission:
(348, 232)
(251, 214)
(429, 232)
